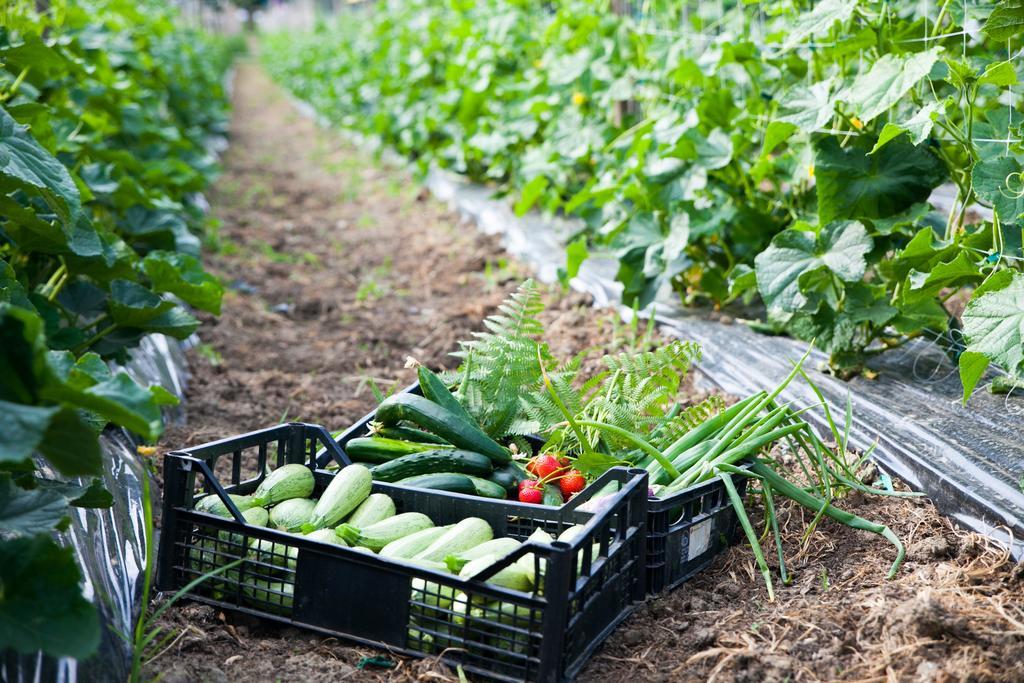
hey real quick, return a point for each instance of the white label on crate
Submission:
(700, 538)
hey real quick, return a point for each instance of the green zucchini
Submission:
(509, 475)
(377, 450)
(291, 514)
(435, 390)
(349, 487)
(372, 510)
(287, 481)
(271, 596)
(529, 562)
(441, 481)
(487, 488)
(429, 462)
(441, 421)
(253, 517)
(498, 546)
(413, 544)
(468, 533)
(277, 554)
(376, 536)
(401, 433)
(213, 505)
(513, 576)
(325, 536)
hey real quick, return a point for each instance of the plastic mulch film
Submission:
(109, 543)
(968, 460)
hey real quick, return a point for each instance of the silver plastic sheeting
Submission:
(109, 543)
(968, 460)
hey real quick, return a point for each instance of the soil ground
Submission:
(340, 267)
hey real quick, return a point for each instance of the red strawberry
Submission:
(571, 482)
(531, 491)
(546, 465)
(531, 466)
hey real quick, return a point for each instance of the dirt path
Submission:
(339, 268)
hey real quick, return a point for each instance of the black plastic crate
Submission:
(685, 532)
(589, 585)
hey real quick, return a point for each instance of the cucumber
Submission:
(288, 481)
(378, 535)
(372, 510)
(413, 544)
(509, 475)
(291, 514)
(487, 488)
(441, 421)
(377, 450)
(468, 533)
(213, 505)
(409, 434)
(513, 576)
(350, 487)
(429, 462)
(442, 481)
(435, 390)
(497, 546)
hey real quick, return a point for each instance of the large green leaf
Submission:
(994, 321)
(886, 82)
(22, 429)
(998, 182)
(132, 305)
(917, 127)
(839, 248)
(183, 276)
(26, 512)
(1006, 20)
(854, 184)
(42, 607)
(808, 108)
(819, 20)
(959, 271)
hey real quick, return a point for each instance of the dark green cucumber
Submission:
(434, 389)
(376, 449)
(441, 421)
(427, 462)
(509, 475)
(409, 434)
(487, 488)
(441, 481)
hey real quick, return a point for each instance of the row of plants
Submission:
(107, 108)
(783, 152)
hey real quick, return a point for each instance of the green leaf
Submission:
(840, 248)
(998, 182)
(42, 606)
(35, 170)
(183, 276)
(132, 305)
(22, 429)
(71, 445)
(530, 193)
(1006, 20)
(1000, 74)
(775, 134)
(994, 321)
(918, 127)
(888, 80)
(575, 254)
(852, 184)
(26, 512)
(92, 496)
(808, 108)
(960, 271)
(972, 365)
(819, 20)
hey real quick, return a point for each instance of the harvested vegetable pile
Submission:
(720, 621)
